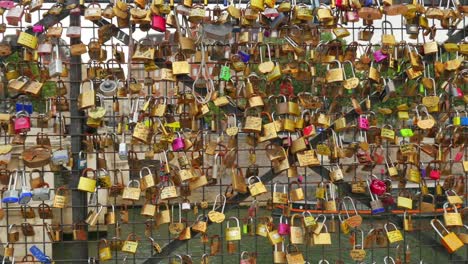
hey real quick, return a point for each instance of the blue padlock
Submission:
(11, 195)
(82, 161)
(245, 57)
(464, 119)
(37, 253)
(25, 194)
(368, 3)
(236, 28)
(24, 104)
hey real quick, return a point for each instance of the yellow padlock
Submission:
(394, 235)
(87, 184)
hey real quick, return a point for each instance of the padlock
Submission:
(308, 220)
(363, 122)
(335, 74)
(24, 104)
(424, 206)
(434, 172)
(178, 144)
(376, 204)
(55, 65)
(104, 250)
(296, 194)
(322, 238)
(12, 233)
(283, 227)
(387, 39)
(336, 174)
(123, 149)
(452, 218)
(405, 200)
(130, 245)
(256, 188)
(146, 181)
(407, 222)
(186, 206)
(132, 191)
(450, 241)
(233, 233)
(22, 122)
(60, 198)
(280, 197)
(330, 202)
(453, 198)
(41, 193)
(11, 195)
(296, 232)
(464, 119)
(87, 184)
(394, 235)
(82, 160)
(354, 220)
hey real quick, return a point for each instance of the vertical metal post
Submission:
(78, 249)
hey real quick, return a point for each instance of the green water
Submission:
(430, 250)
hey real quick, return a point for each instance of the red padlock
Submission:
(22, 122)
(378, 187)
(158, 23)
(434, 172)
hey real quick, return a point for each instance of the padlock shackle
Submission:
(130, 183)
(230, 219)
(346, 207)
(446, 205)
(362, 239)
(388, 257)
(390, 223)
(433, 221)
(145, 169)
(223, 197)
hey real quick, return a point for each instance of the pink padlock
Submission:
(379, 56)
(459, 156)
(158, 23)
(38, 28)
(178, 144)
(22, 122)
(435, 173)
(363, 122)
(352, 15)
(283, 228)
(7, 4)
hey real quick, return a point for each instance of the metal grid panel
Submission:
(421, 242)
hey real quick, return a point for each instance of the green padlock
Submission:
(406, 132)
(225, 73)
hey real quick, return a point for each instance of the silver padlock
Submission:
(123, 150)
(186, 205)
(11, 195)
(412, 29)
(389, 89)
(376, 205)
(60, 157)
(134, 109)
(25, 194)
(42, 193)
(55, 65)
(108, 87)
(82, 160)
